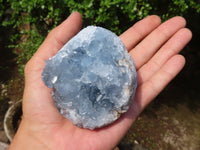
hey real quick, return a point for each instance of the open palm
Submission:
(154, 48)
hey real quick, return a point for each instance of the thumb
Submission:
(37, 101)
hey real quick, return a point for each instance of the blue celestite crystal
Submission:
(93, 78)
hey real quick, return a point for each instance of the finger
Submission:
(171, 48)
(138, 31)
(147, 91)
(54, 41)
(148, 47)
(37, 99)
(59, 36)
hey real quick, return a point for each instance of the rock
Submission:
(93, 78)
(3, 146)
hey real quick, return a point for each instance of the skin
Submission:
(154, 48)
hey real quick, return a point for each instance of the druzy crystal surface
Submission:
(93, 78)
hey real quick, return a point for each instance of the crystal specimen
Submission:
(93, 78)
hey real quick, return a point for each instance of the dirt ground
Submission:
(166, 129)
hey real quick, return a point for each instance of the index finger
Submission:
(139, 30)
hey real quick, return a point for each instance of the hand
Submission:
(154, 48)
